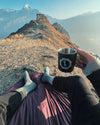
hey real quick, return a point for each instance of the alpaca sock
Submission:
(29, 86)
(46, 77)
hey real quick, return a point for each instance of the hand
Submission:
(83, 58)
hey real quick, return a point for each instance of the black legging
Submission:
(9, 103)
(84, 100)
(85, 103)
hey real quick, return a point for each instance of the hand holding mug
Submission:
(84, 57)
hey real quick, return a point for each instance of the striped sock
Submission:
(28, 87)
(46, 77)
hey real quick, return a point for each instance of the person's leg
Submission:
(11, 101)
(8, 105)
(85, 104)
(29, 86)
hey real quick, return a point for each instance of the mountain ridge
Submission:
(83, 29)
(31, 49)
(12, 20)
(42, 24)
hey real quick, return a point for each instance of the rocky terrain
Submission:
(32, 48)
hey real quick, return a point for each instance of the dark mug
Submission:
(66, 59)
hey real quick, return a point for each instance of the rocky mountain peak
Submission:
(27, 7)
(41, 18)
(61, 29)
(42, 29)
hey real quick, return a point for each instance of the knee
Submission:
(79, 80)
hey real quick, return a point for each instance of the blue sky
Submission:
(60, 9)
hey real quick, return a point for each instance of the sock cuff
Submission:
(22, 92)
(51, 81)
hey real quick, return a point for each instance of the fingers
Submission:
(83, 53)
(91, 53)
(80, 63)
(85, 56)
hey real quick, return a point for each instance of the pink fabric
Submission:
(43, 106)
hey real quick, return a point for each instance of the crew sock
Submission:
(28, 87)
(46, 77)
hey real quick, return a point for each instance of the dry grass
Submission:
(19, 52)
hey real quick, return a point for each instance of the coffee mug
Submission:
(66, 59)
